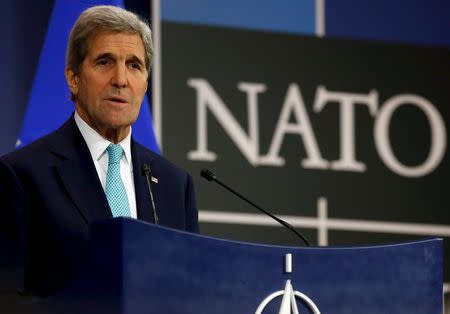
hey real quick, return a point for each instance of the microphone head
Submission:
(208, 175)
(145, 168)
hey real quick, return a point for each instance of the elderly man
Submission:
(91, 168)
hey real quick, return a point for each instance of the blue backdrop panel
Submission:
(49, 105)
(271, 15)
(140, 268)
(26, 29)
(409, 21)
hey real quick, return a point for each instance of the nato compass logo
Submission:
(290, 296)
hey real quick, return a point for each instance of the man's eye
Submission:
(135, 65)
(102, 62)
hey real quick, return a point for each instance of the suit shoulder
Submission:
(33, 152)
(27, 152)
(55, 141)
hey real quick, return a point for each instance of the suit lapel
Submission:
(78, 174)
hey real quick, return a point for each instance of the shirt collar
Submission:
(96, 143)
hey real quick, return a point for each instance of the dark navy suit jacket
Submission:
(61, 195)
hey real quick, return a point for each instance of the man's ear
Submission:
(72, 80)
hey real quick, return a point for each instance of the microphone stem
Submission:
(147, 177)
(282, 222)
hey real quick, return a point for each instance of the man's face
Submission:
(111, 84)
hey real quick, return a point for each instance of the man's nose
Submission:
(120, 76)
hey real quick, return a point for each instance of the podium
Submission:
(136, 267)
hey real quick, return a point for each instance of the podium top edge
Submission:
(126, 221)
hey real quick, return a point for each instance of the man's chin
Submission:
(117, 122)
(114, 130)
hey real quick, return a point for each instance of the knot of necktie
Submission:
(115, 152)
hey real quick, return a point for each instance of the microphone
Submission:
(210, 176)
(146, 170)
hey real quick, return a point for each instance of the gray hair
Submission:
(105, 18)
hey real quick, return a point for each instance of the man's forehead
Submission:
(109, 42)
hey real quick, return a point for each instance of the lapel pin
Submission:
(154, 179)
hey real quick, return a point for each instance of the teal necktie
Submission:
(115, 190)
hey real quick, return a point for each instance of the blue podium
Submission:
(135, 267)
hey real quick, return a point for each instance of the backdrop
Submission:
(332, 114)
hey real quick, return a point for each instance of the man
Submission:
(91, 168)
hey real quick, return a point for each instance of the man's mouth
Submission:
(117, 99)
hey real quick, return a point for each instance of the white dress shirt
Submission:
(97, 147)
